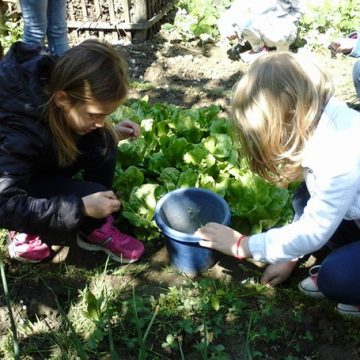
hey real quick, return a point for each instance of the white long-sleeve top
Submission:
(242, 13)
(293, 8)
(331, 163)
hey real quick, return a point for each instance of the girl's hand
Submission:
(100, 205)
(275, 274)
(127, 129)
(223, 239)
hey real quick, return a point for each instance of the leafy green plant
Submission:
(195, 18)
(11, 30)
(189, 148)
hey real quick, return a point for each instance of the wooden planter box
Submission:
(135, 18)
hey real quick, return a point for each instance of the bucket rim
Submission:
(181, 236)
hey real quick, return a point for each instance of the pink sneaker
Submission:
(120, 247)
(27, 248)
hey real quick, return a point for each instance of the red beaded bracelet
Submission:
(238, 242)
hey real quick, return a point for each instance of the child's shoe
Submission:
(309, 285)
(348, 310)
(120, 247)
(27, 248)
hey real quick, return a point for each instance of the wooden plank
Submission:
(85, 15)
(151, 5)
(112, 11)
(97, 9)
(140, 13)
(71, 10)
(103, 25)
(126, 7)
(13, 7)
(84, 9)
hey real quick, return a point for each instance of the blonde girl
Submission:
(291, 127)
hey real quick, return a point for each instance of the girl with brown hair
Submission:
(54, 125)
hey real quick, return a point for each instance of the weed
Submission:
(7, 299)
(11, 30)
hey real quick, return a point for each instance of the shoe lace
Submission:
(314, 272)
(116, 233)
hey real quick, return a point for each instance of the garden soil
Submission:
(189, 74)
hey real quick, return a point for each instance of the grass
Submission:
(117, 316)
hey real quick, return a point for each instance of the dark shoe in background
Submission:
(235, 51)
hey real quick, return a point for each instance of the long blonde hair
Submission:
(90, 71)
(276, 106)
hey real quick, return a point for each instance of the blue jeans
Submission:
(339, 275)
(45, 19)
(356, 77)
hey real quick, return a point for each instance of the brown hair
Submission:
(276, 106)
(90, 71)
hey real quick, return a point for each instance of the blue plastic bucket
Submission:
(178, 215)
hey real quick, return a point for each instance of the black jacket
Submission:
(26, 147)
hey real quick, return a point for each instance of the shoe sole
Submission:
(348, 313)
(93, 247)
(313, 294)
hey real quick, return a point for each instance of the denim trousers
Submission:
(45, 19)
(96, 164)
(339, 274)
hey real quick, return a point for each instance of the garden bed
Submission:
(223, 314)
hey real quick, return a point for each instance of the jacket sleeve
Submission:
(20, 153)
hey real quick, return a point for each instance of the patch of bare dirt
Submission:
(200, 73)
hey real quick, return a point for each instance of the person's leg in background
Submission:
(34, 13)
(252, 35)
(277, 32)
(356, 77)
(57, 31)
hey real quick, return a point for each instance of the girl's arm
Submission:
(224, 239)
